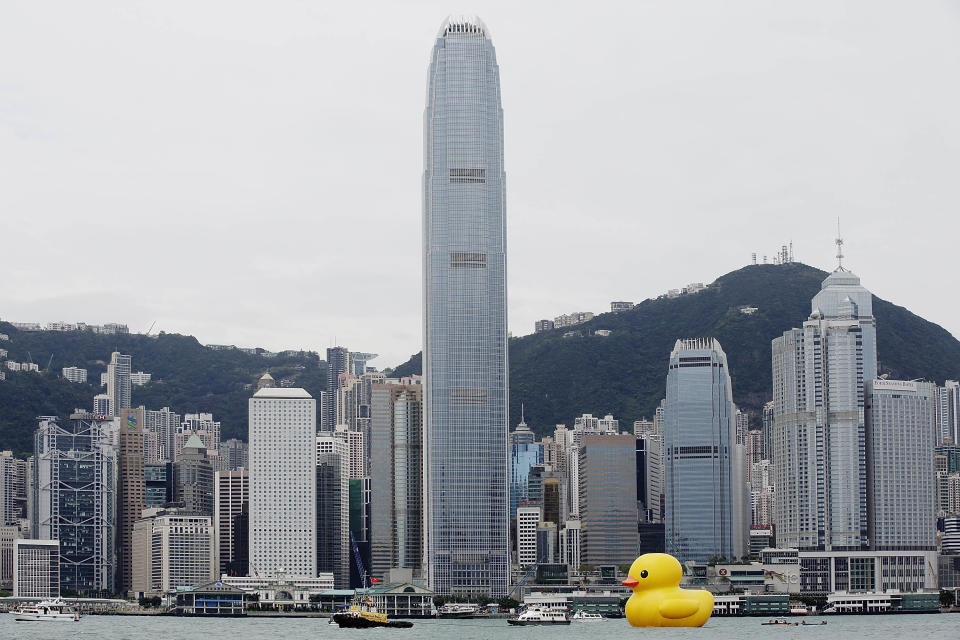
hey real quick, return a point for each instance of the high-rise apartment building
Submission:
(283, 482)
(356, 450)
(75, 374)
(118, 381)
(234, 453)
(202, 425)
(608, 498)
(13, 488)
(819, 432)
(74, 501)
(396, 477)
(165, 424)
(333, 507)
(338, 363)
(901, 492)
(231, 499)
(131, 498)
(465, 316)
(705, 485)
(193, 479)
(948, 413)
(768, 422)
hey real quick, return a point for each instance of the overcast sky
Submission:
(250, 172)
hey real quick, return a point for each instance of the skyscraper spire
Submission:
(839, 242)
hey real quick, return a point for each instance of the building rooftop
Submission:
(463, 25)
(288, 392)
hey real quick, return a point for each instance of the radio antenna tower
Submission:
(839, 242)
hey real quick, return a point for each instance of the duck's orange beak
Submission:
(630, 582)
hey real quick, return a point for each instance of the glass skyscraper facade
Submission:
(523, 457)
(465, 317)
(705, 493)
(819, 428)
(75, 499)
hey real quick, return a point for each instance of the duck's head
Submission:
(654, 570)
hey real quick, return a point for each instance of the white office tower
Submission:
(119, 387)
(356, 449)
(172, 549)
(527, 520)
(819, 432)
(36, 569)
(102, 405)
(283, 505)
(948, 413)
(901, 490)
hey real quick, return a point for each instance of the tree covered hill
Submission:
(559, 378)
(187, 377)
(555, 378)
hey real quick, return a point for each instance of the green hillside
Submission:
(559, 378)
(187, 377)
(556, 378)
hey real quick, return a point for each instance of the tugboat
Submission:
(361, 615)
(541, 616)
(46, 611)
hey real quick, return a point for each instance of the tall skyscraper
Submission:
(948, 413)
(396, 468)
(333, 508)
(649, 476)
(283, 470)
(13, 476)
(231, 499)
(174, 548)
(75, 497)
(338, 363)
(705, 486)
(193, 479)
(465, 315)
(901, 492)
(819, 431)
(608, 498)
(131, 495)
(118, 381)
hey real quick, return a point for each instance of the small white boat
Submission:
(47, 610)
(540, 616)
(586, 615)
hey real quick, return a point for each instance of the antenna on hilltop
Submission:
(839, 242)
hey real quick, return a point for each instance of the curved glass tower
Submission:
(465, 316)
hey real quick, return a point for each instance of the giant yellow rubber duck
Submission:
(658, 600)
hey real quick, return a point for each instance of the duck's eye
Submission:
(644, 574)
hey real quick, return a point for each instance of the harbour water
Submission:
(898, 627)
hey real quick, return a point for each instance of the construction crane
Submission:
(358, 560)
(152, 325)
(49, 362)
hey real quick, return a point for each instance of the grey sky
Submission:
(250, 172)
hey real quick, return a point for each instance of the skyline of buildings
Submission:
(426, 479)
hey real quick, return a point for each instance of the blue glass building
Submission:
(523, 457)
(705, 492)
(465, 318)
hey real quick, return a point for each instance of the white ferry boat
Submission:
(586, 615)
(459, 610)
(541, 616)
(47, 610)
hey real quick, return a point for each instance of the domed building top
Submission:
(839, 291)
(266, 381)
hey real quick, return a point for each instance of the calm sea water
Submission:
(899, 627)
